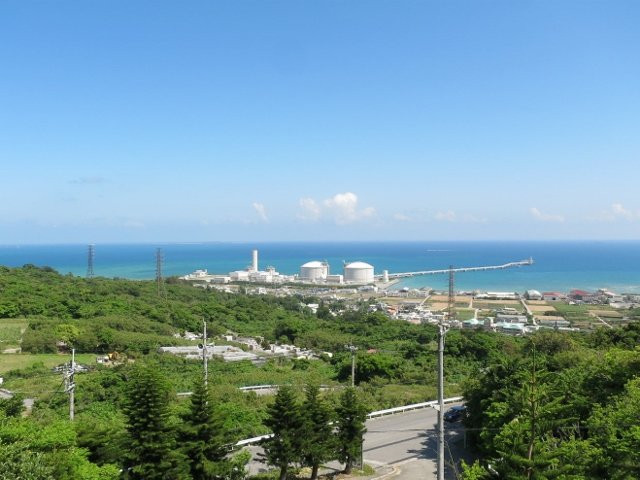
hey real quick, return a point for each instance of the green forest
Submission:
(551, 405)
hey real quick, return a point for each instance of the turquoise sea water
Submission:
(558, 265)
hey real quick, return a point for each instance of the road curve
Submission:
(406, 441)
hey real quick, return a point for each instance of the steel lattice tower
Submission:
(159, 279)
(90, 256)
(452, 296)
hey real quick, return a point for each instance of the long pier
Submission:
(521, 263)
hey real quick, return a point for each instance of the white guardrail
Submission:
(254, 388)
(380, 413)
(258, 388)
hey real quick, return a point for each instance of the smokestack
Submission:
(385, 276)
(254, 264)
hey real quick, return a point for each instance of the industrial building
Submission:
(358, 272)
(250, 274)
(314, 271)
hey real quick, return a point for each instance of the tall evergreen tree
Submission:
(284, 420)
(203, 437)
(317, 433)
(351, 418)
(527, 445)
(151, 451)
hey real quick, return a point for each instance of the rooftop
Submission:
(315, 264)
(358, 265)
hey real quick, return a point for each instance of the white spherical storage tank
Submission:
(358, 272)
(314, 271)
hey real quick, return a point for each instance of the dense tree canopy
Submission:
(570, 413)
(560, 409)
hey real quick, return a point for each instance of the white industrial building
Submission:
(311, 272)
(533, 295)
(314, 271)
(251, 274)
(239, 276)
(339, 279)
(358, 272)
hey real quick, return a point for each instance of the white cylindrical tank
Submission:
(314, 271)
(358, 272)
(254, 263)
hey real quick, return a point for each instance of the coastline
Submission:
(560, 266)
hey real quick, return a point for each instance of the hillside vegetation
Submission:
(46, 313)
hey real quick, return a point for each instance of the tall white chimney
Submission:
(254, 263)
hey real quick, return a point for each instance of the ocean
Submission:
(558, 265)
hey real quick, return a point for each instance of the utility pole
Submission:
(441, 332)
(353, 351)
(71, 385)
(204, 352)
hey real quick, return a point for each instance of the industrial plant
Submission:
(318, 272)
(313, 272)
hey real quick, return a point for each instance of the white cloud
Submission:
(342, 208)
(310, 209)
(619, 211)
(546, 217)
(448, 216)
(261, 211)
(616, 212)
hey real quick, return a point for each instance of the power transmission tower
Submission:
(70, 385)
(159, 279)
(451, 311)
(353, 351)
(442, 330)
(90, 257)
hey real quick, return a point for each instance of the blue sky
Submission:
(318, 120)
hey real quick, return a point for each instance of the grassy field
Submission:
(498, 303)
(11, 332)
(582, 315)
(486, 305)
(607, 313)
(463, 314)
(541, 308)
(445, 298)
(10, 361)
(439, 306)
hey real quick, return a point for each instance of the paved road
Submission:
(407, 442)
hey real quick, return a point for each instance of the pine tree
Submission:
(528, 445)
(151, 450)
(284, 420)
(203, 437)
(317, 433)
(351, 418)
